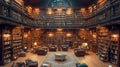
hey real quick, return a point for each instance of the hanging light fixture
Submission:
(50, 34)
(69, 11)
(101, 2)
(19, 2)
(82, 10)
(35, 43)
(59, 29)
(49, 11)
(29, 9)
(59, 10)
(25, 35)
(37, 11)
(115, 37)
(69, 35)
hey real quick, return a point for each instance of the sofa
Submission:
(79, 52)
(42, 51)
(64, 47)
(30, 63)
(81, 65)
(18, 64)
(52, 48)
(22, 54)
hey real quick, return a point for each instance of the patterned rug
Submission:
(69, 62)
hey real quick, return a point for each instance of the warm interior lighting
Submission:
(29, 9)
(68, 34)
(37, 11)
(50, 34)
(103, 29)
(14, 57)
(25, 47)
(59, 10)
(94, 36)
(82, 10)
(35, 43)
(90, 9)
(109, 65)
(19, 1)
(95, 7)
(82, 29)
(59, 29)
(6, 35)
(49, 11)
(37, 29)
(69, 11)
(25, 35)
(85, 45)
(114, 37)
(101, 2)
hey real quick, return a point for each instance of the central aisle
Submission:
(92, 60)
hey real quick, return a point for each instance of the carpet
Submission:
(69, 62)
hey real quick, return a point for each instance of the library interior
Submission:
(59, 33)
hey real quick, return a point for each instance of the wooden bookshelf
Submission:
(16, 42)
(93, 42)
(108, 45)
(118, 63)
(103, 43)
(0, 45)
(5, 44)
(114, 46)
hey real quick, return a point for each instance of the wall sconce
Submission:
(82, 29)
(19, 1)
(25, 47)
(14, 57)
(38, 29)
(59, 29)
(25, 35)
(90, 9)
(85, 45)
(115, 37)
(82, 10)
(68, 34)
(6, 35)
(101, 2)
(35, 43)
(49, 11)
(29, 9)
(50, 34)
(69, 11)
(94, 35)
(59, 10)
(37, 11)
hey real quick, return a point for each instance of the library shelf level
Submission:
(102, 16)
(16, 42)
(5, 45)
(10, 43)
(108, 41)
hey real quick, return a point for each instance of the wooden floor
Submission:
(92, 60)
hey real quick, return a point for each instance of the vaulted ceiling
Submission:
(75, 3)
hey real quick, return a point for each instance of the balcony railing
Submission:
(14, 13)
(76, 20)
(106, 15)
